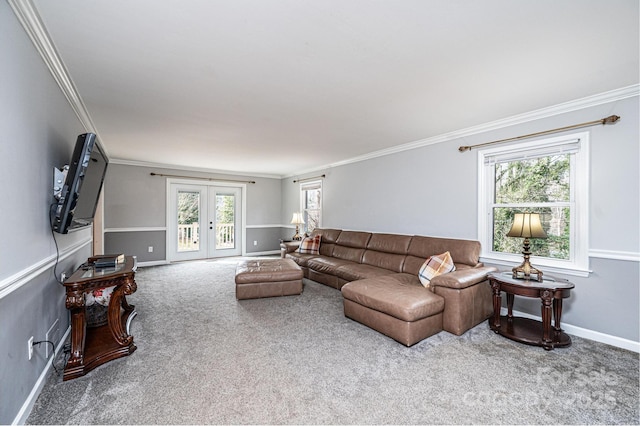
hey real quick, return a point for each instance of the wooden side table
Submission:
(91, 347)
(551, 292)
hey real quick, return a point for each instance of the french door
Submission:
(204, 221)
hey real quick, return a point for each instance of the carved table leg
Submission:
(115, 318)
(497, 304)
(547, 297)
(510, 298)
(75, 303)
(557, 314)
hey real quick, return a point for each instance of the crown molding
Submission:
(30, 20)
(575, 105)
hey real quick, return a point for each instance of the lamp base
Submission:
(297, 237)
(527, 272)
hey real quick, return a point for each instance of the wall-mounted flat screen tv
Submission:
(79, 195)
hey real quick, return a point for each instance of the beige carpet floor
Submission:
(205, 358)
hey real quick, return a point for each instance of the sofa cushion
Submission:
(421, 248)
(355, 239)
(300, 259)
(434, 266)
(310, 245)
(390, 261)
(327, 265)
(359, 271)
(389, 243)
(351, 245)
(329, 237)
(396, 297)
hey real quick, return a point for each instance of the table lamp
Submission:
(527, 225)
(297, 220)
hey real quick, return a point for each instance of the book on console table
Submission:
(106, 260)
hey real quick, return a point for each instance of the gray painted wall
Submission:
(432, 190)
(37, 132)
(137, 243)
(135, 199)
(267, 239)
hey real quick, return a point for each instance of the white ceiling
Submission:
(278, 87)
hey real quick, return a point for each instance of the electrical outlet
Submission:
(150, 249)
(30, 344)
(255, 243)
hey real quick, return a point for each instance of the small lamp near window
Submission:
(297, 220)
(527, 225)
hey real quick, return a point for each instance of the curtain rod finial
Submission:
(464, 148)
(610, 120)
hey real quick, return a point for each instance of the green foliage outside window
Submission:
(521, 184)
(225, 209)
(188, 207)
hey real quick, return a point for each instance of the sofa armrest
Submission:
(288, 247)
(463, 278)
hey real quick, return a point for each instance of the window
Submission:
(311, 204)
(549, 177)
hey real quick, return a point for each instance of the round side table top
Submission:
(548, 282)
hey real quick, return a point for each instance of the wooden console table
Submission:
(551, 291)
(91, 347)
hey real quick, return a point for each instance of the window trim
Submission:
(578, 264)
(304, 186)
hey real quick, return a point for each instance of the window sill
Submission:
(572, 271)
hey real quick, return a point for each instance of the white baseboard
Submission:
(25, 410)
(608, 339)
(261, 253)
(153, 263)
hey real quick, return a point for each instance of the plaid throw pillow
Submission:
(310, 245)
(434, 266)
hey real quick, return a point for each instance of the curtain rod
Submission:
(204, 178)
(608, 120)
(310, 178)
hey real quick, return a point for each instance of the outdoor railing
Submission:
(189, 236)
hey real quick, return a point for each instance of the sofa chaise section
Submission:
(378, 276)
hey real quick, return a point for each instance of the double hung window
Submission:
(311, 204)
(549, 177)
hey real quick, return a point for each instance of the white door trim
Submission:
(198, 182)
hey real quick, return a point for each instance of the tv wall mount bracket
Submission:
(59, 177)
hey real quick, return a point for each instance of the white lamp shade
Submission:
(527, 225)
(297, 219)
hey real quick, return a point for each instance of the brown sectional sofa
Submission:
(378, 276)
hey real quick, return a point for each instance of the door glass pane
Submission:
(225, 221)
(188, 221)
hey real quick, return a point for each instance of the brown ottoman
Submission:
(267, 278)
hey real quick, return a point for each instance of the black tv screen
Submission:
(83, 183)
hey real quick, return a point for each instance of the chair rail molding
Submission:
(615, 255)
(21, 278)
